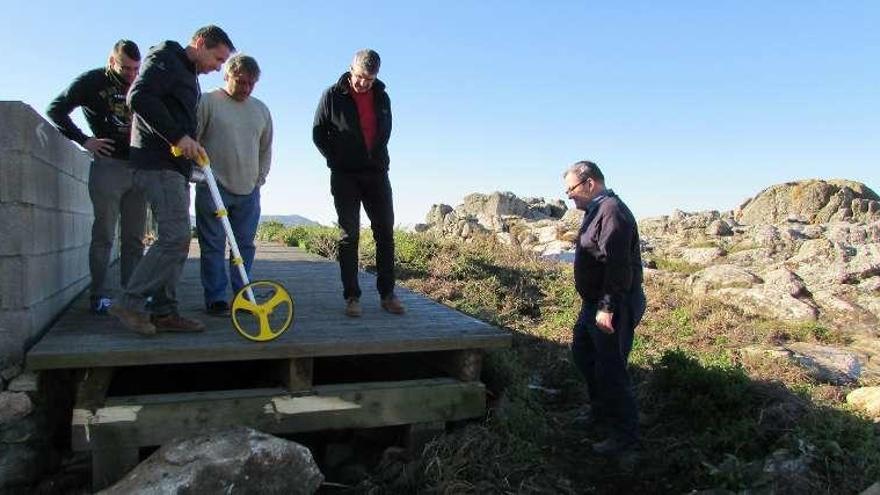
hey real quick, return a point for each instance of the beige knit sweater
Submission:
(238, 139)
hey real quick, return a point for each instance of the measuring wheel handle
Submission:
(278, 301)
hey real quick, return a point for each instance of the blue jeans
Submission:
(602, 358)
(243, 212)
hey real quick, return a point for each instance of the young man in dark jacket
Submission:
(101, 95)
(352, 128)
(164, 99)
(608, 277)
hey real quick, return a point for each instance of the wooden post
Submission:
(297, 373)
(110, 462)
(464, 365)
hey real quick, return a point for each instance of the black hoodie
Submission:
(101, 95)
(164, 99)
(337, 129)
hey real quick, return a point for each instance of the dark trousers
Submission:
(373, 190)
(243, 212)
(158, 272)
(602, 358)
(115, 199)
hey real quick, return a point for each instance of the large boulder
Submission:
(866, 399)
(235, 460)
(770, 301)
(828, 364)
(721, 276)
(811, 201)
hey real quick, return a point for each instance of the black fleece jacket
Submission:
(607, 258)
(337, 129)
(101, 95)
(164, 99)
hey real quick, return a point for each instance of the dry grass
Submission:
(711, 415)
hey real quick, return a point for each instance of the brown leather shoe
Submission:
(176, 323)
(135, 321)
(392, 305)
(353, 307)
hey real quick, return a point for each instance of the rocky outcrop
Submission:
(235, 460)
(532, 223)
(814, 245)
(798, 251)
(812, 202)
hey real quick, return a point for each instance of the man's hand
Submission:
(191, 148)
(99, 146)
(603, 321)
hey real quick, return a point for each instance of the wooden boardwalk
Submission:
(82, 340)
(418, 370)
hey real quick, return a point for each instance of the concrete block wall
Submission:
(45, 225)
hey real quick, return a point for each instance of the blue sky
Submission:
(688, 105)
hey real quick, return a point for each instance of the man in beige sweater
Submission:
(236, 130)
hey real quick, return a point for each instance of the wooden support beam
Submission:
(91, 394)
(111, 462)
(153, 420)
(91, 389)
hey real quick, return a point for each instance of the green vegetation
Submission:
(676, 265)
(711, 417)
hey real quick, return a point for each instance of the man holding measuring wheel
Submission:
(163, 99)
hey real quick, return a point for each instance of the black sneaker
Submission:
(218, 308)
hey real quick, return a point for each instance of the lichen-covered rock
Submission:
(829, 364)
(234, 460)
(786, 281)
(768, 301)
(719, 277)
(866, 399)
(816, 201)
(14, 405)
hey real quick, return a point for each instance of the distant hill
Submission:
(287, 220)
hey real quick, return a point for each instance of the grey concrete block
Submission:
(11, 283)
(27, 131)
(29, 381)
(18, 122)
(12, 164)
(34, 278)
(11, 347)
(17, 227)
(36, 230)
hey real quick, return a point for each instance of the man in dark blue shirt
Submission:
(608, 277)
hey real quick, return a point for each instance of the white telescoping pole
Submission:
(221, 213)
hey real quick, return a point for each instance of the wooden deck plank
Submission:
(82, 340)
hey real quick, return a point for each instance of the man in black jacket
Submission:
(608, 277)
(101, 95)
(352, 128)
(164, 99)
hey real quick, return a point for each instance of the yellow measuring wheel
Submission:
(267, 315)
(268, 303)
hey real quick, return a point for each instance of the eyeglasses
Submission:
(363, 77)
(572, 188)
